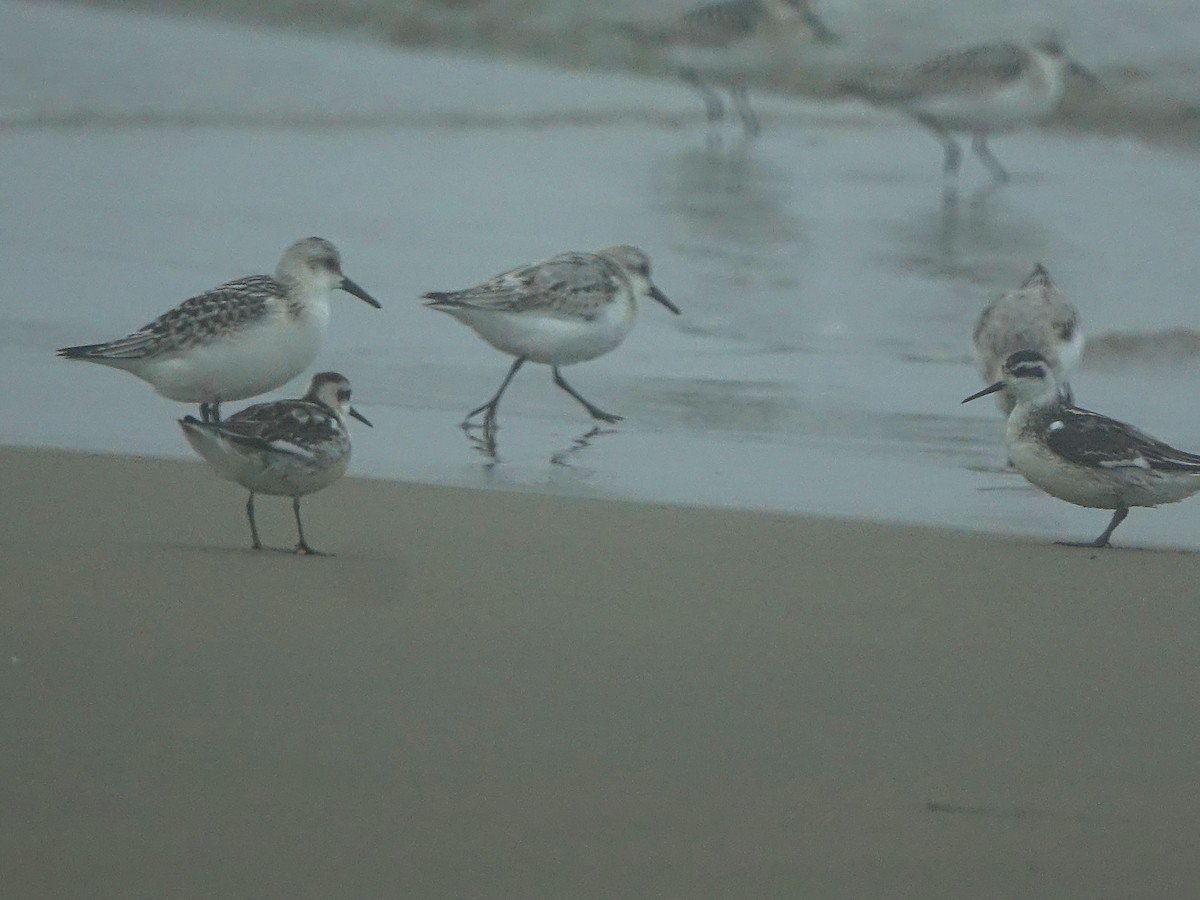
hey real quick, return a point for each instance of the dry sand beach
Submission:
(488, 694)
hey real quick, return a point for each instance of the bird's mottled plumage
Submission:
(563, 310)
(286, 447)
(1083, 457)
(570, 285)
(1036, 316)
(239, 339)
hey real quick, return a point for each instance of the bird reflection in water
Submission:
(483, 440)
(563, 457)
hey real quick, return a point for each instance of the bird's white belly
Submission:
(268, 473)
(1100, 488)
(254, 361)
(553, 340)
(1017, 103)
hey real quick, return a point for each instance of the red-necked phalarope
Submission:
(726, 42)
(564, 310)
(238, 340)
(995, 87)
(1083, 457)
(287, 448)
(1036, 316)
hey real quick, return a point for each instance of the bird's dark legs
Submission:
(255, 543)
(489, 409)
(596, 412)
(713, 107)
(980, 148)
(210, 412)
(741, 103)
(1102, 541)
(953, 151)
(303, 547)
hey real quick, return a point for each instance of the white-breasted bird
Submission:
(979, 91)
(564, 310)
(286, 448)
(238, 340)
(1083, 457)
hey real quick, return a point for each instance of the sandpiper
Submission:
(286, 448)
(1036, 316)
(238, 340)
(564, 310)
(1083, 457)
(724, 42)
(981, 90)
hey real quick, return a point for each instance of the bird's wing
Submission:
(568, 285)
(1090, 439)
(195, 320)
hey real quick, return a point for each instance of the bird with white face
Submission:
(1083, 457)
(980, 91)
(238, 340)
(287, 448)
(564, 310)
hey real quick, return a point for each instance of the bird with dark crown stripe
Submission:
(1081, 456)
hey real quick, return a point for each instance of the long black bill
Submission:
(351, 288)
(356, 414)
(663, 299)
(990, 389)
(1086, 74)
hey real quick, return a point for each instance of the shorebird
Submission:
(287, 448)
(1036, 316)
(238, 340)
(1083, 457)
(981, 90)
(724, 42)
(564, 310)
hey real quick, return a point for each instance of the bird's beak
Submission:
(663, 299)
(356, 414)
(990, 389)
(351, 288)
(1086, 74)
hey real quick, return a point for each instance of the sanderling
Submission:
(287, 448)
(724, 42)
(1037, 317)
(238, 340)
(994, 87)
(567, 309)
(1083, 457)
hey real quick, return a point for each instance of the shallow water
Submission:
(828, 291)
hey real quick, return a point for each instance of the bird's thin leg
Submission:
(980, 148)
(741, 102)
(489, 409)
(953, 151)
(596, 412)
(1102, 541)
(303, 547)
(255, 543)
(713, 107)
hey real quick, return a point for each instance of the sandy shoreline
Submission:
(511, 695)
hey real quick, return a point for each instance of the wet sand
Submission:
(491, 694)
